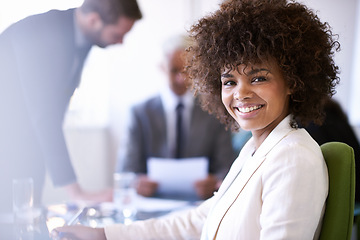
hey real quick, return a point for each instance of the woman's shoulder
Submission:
(302, 139)
(298, 145)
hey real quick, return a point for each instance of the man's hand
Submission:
(145, 186)
(205, 188)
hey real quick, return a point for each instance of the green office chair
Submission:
(339, 212)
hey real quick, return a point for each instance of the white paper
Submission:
(177, 176)
(156, 204)
(147, 204)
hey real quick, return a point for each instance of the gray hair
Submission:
(177, 42)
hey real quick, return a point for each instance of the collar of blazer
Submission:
(252, 164)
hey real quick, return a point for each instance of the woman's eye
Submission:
(258, 79)
(228, 83)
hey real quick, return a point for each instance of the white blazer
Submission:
(277, 193)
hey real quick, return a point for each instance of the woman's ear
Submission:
(290, 91)
(290, 88)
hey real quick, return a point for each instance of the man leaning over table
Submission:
(41, 62)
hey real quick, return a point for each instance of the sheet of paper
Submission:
(177, 176)
(146, 204)
(157, 204)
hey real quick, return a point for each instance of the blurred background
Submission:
(129, 73)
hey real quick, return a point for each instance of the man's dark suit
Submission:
(36, 83)
(148, 138)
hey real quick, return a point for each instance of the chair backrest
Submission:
(339, 212)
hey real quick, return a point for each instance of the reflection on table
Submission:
(99, 215)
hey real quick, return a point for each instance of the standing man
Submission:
(41, 60)
(153, 131)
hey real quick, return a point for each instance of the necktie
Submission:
(179, 130)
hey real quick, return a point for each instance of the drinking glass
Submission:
(23, 199)
(125, 194)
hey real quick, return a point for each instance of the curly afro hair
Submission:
(253, 31)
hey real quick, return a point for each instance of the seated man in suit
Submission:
(152, 131)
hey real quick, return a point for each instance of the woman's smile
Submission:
(248, 109)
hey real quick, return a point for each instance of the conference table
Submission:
(91, 214)
(106, 213)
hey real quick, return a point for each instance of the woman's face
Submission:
(256, 96)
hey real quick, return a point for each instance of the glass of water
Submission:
(125, 195)
(23, 199)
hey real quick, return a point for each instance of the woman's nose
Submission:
(236, 95)
(241, 92)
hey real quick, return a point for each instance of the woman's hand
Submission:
(78, 232)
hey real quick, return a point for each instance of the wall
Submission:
(355, 87)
